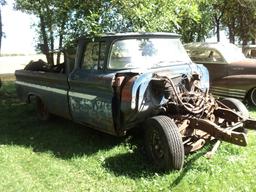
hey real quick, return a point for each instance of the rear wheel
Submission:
(163, 143)
(42, 110)
(252, 97)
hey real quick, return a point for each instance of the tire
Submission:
(163, 143)
(42, 110)
(252, 97)
(238, 106)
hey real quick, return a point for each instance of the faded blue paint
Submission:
(203, 71)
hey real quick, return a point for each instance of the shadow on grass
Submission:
(63, 138)
(133, 163)
(187, 167)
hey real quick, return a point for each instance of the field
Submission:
(8, 64)
(60, 155)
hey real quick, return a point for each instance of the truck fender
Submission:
(203, 71)
(140, 84)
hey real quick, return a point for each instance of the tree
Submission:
(63, 21)
(180, 16)
(240, 18)
(43, 10)
(219, 7)
(60, 22)
(194, 21)
(2, 2)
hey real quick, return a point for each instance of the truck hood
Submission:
(173, 71)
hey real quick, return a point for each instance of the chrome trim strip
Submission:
(42, 87)
(220, 91)
(82, 95)
(55, 90)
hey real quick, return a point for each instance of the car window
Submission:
(205, 56)
(94, 56)
(215, 56)
(146, 53)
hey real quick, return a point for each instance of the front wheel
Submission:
(163, 143)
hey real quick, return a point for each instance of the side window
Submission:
(215, 56)
(103, 47)
(205, 55)
(94, 56)
(199, 55)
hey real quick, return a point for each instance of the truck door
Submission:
(90, 95)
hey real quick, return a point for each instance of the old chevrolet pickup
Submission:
(116, 82)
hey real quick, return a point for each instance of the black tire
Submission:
(42, 110)
(238, 106)
(163, 143)
(252, 97)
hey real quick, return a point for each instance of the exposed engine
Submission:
(185, 96)
(198, 115)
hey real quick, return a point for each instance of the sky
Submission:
(19, 34)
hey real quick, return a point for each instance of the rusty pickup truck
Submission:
(116, 82)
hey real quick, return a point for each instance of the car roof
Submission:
(207, 45)
(131, 35)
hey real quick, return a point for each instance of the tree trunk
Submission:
(60, 41)
(1, 30)
(245, 42)
(45, 50)
(217, 21)
(52, 44)
(231, 34)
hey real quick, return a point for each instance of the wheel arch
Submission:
(31, 96)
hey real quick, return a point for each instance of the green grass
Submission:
(63, 156)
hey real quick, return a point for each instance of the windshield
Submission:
(146, 53)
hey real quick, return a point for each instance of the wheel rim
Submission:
(163, 143)
(253, 96)
(156, 146)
